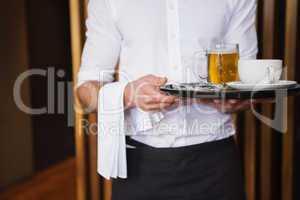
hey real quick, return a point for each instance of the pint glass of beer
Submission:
(223, 63)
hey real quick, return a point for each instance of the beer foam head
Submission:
(223, 52)
(224, 49)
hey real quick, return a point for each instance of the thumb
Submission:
(160, 81)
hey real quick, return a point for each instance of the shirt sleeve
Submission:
(102, 47)
(242, 28)
(100, 56)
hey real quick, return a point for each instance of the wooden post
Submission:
(267, 131)
(94, 177)
(76, 42)
(290, 61)
(250, 160)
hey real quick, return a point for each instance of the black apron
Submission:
(208, 171)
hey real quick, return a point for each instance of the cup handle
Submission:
(271, 74)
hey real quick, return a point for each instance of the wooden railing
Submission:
(267, 154)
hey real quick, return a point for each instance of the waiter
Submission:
(175, 150)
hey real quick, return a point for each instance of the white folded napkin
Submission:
(112, 161)
(111, 131)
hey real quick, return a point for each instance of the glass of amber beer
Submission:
(223, 63)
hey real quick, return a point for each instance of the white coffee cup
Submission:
(260, 71)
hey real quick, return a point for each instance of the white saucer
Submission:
(244, 86)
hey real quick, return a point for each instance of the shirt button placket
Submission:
(171, 5)
(173, 36)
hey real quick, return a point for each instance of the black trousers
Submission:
(208, 171)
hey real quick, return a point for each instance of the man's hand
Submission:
(228, 106)
(232, 106)
(144, 93)
(88, 95)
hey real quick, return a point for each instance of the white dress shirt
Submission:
(158, 37)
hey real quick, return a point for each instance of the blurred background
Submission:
(52, 154)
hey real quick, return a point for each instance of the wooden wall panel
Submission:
(290, 60)
(266, 133)
(49, 19)
(16, 139)
(249, 155)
